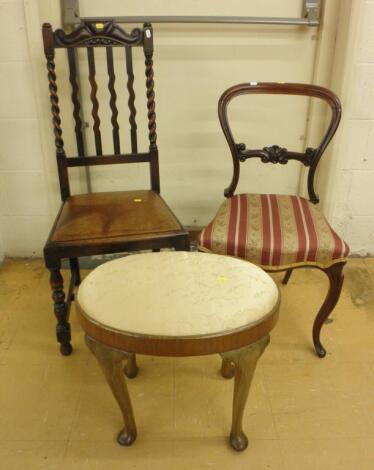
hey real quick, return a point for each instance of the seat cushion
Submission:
(176, 293)
(99, 216)
(273, 231)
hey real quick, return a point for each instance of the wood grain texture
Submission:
(178, 346)
(99, 215)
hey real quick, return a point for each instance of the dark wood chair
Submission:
(107, 222)
(279, 232)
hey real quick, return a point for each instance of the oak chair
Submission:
(279, 232)
(106, 222)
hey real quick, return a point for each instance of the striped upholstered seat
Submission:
(273, 231)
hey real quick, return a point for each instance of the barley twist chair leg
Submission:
(111, 363)
(245, 361)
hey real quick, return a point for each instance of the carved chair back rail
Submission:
(90, 36)
(274, 153)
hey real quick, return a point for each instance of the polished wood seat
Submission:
(196, 304)
(121, 216)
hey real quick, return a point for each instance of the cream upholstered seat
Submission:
(177, 294)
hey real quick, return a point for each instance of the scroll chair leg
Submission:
(131, 368)
(287, 276)
(74, 267)
(60, 309)
(336, 278)
(245, 360)
(111, 363)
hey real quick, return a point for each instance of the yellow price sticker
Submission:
(99, 25)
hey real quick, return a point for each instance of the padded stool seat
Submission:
(178, 304)
(177, 294)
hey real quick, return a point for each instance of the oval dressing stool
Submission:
(178, 304)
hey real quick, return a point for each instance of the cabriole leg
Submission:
(245, 361)
(60, 309)
(336, 278)
(111, 363)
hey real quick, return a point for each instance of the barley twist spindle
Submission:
(56, 120)
(150, 101)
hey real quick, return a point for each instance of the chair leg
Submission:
(60, 309)
(74, 267)
(336, 278)
(287, 276)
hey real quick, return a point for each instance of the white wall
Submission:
(352, 185)
(24, 208)
(2, 251)
(192, 150)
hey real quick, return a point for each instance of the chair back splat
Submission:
(274, 153)
(90, 36)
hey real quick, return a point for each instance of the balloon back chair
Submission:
(103, 222)
(279, 232)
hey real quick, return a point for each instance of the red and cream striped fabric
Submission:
(273, 231)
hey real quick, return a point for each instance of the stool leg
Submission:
(245, 361)
(131, 368)
(228, 368)
(111, 363)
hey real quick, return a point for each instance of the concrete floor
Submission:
(303, 413)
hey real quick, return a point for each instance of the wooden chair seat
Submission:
(126, 215)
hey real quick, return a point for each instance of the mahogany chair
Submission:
(107, 222)
(279, 232)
